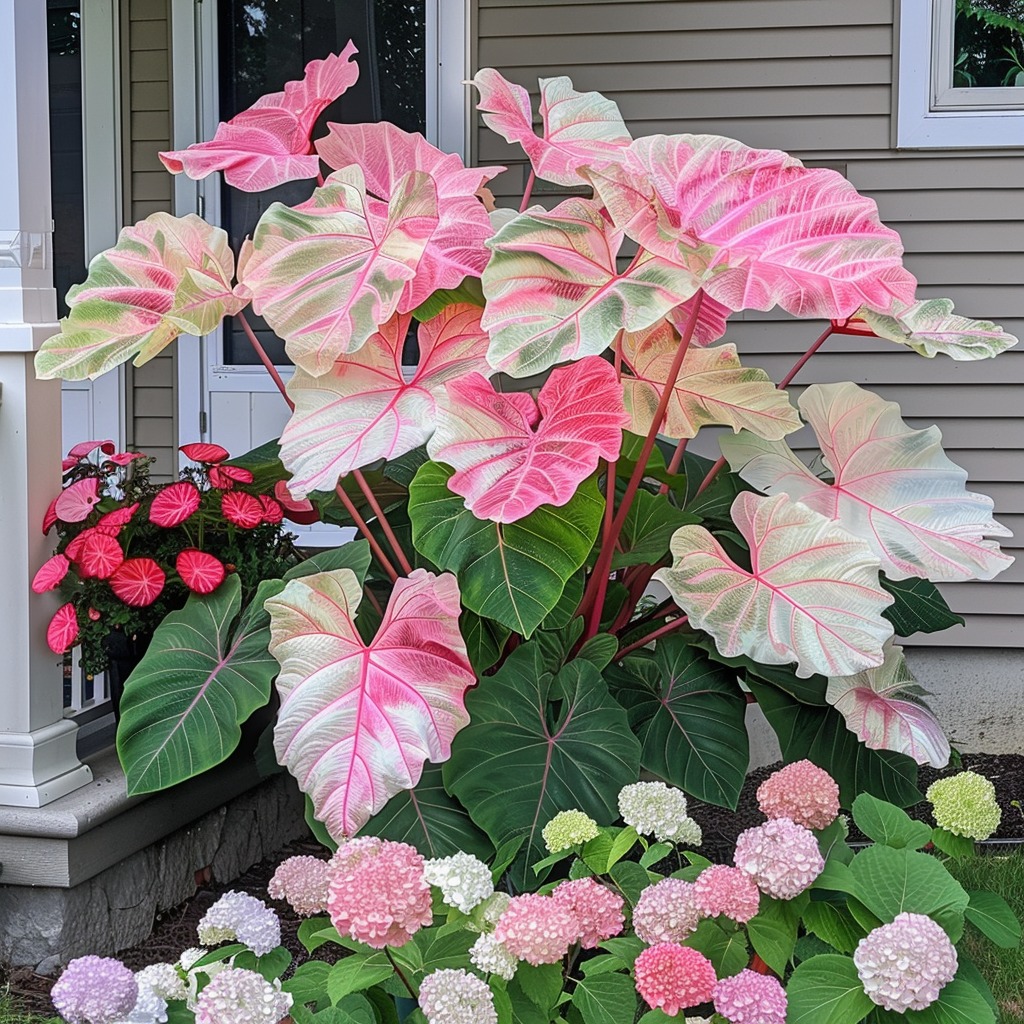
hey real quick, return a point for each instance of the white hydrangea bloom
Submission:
(237, 996)
(490, 911)
(188, 959)
(489, 955)
(164, 979)
(237, 916)
(457, 997)
(653, 808)
(464, 880)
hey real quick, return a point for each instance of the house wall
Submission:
(814, 77)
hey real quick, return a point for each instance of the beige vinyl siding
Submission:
(815, 77)
(151, 417)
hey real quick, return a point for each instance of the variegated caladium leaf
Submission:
(554, 293)
(711, 387)
(577, 128)
(893, 486)
(269, 143)
(358, 721)
(883, 707)
(711, 319)
(327, 273)
(755, 226)
(166, 276)
(812, 594)
(512, 454)
(364, 409)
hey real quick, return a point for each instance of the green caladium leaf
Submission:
(354, 555)
(889, 825)
(648, 528)
(522, 759)
(826, 990)
(514, 573)
(714, 502)
(918, 607)
(206, 670)
(485, 640)
(470, 291)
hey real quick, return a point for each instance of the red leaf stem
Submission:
(528, 191)
(644, 640)
(371, 500)
(360, 522)
(265, 359)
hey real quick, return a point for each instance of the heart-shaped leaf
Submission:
(710, 324)
(826, 990)
(918, 607)
(357, 721)
(62, 630)
(511, 455)
(75, 502)
(894, 486)
(50, 574)
(889, 825)
(648, 530)
(812, 595)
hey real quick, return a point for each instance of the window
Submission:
(961, 74)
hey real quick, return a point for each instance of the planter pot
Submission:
(125, 652)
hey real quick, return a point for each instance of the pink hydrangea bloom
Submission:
(802, 792)
(904, 965)
(302, 881)
(537, 929)
(720, 889)
(597, 908)
(671, 977)
(751, 998)
(237, 996)
(666, 912)
(95, 990)
(378, 894)
(781, 856)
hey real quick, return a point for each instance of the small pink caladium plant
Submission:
(358, 721)
(883, 707)
(811, 596)
(166, 276)
(269, 144)
(577, 128)
(512, 455)
(893, 486)
(365, 409)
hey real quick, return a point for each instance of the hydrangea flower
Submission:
(965, 805)
(95, 990)
(654, 809)
(149, 1008)
(163, 980)
(378, 894)
(904, 965)
(751, 998)
(597, 908)
(782, 857)
(488, 914)
(537, 929)
(302, 882)
(489, 955)
(666, 912)
(239, 917)
(464, 880)
(568, 829)
(237, 996)
(456, 997)
(671, 977)
(802, 792)
(190, 956)
(720, 889)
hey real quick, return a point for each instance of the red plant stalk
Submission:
(528, 191)
(609, 500)
(371, 500)
(644, 640)
(757, 964)
(265, 359)
(372, 599)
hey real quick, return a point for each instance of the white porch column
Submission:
(37, 745)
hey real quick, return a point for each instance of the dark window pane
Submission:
(988, 44)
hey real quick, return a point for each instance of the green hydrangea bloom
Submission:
(568, 829)
(965, 805)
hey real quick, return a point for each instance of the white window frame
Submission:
(929, 114)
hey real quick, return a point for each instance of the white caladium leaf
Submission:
(364, 409)
(166, 276)
(554, 293)
(358, 721)
(930, 326)
(812, 595)
(577, 128)
(893, 486)
(883, 707)
(327, 273)
(711, 388)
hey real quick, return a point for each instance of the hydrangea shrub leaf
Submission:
(826, 990)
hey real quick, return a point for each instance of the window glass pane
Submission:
(265, 43)
(988, 44)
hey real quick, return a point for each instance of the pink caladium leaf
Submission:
(269, 143)
(98, 556)
(757, 227)
(883, 707)
(138, 581)
(166, 276)
(711, 322)
(365, 409)
(200, 571)
(711, 388)
(174, 504)
(554, 292)
(76, 500)
(244, 510)
(326, 274)
(812, 595)
(512, 455)
(123, 459)
(358, 721)
(199, 451)
(50, 516)
(577, 128)
(298, 510)
(84, 449)
(893, 486)
(119, 517)
(50, 574)
(62, 632)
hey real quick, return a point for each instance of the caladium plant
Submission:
(549, 589)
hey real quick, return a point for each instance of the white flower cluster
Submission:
(237, 996)
(653, 808)
(164, 980)
(457, 997)
(489, 955)
(237, 916)
(464, 880)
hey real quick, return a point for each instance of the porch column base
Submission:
(40, 766)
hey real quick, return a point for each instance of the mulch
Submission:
(175, 930)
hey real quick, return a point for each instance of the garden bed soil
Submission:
(175, 930)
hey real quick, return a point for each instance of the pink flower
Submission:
(751, 998)
(537, 929)
(666, 912)
(782, 857)
(302, 881)
(671, 977)
(802, 792)
(720, 889)
(378, 894)
(597, 908)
